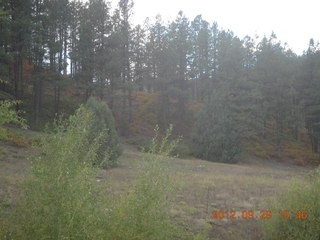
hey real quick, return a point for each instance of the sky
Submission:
(293, 21)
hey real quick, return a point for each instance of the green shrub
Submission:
(216, 136)
(301, 196)
(59, 200)
(103, 126)
(144, 212)
(163, 146)
(9, 115)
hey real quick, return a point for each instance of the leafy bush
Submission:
(9, 115)
(59, 200)
(299, 198)
(144, 212)
(109, 144)
(62, 201)
(163, 146)
(216, 137)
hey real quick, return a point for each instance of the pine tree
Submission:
(216, 136)
(200, 57)
(179, 44)
(275, 79)
(6, 91)
(311, 88)
(139, 57)
(20, 25)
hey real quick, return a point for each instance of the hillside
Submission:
(201, 187)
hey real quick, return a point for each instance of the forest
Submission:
(56, 54)
(197, 88)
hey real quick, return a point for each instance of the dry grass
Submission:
(206, 186)
(201, 187)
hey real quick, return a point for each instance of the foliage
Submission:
(216, 135)
(163, 146)
(297, 152)
(311, 85)
(144, 116)
(62, 200)
(182, 63)
(144, 212)
(59, 200)
(140, 142)
(103, 126)
(301, 196)
(8, 115)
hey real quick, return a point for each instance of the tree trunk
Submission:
(314, 144)
(37, 101)
(18, 88)
(56, 99)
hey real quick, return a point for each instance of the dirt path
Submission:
(13, 165)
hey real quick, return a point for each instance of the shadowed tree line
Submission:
(248, 87)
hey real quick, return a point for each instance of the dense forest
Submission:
(166, 130)
(218, 90)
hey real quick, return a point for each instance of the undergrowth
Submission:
(164, 146)
(58, 200)
(61, 199)
(296, 213)
(144, 211)
(9, 115)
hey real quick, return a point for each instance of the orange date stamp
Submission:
(263, 214)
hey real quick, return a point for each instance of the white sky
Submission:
(293, 21)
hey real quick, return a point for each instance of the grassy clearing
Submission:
(200, 188)
(204, 186)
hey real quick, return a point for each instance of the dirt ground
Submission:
(13, 165)
(202, 187)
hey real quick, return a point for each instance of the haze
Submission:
(294, 22)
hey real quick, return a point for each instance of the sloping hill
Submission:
(201, 187)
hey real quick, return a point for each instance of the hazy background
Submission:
(294, 22)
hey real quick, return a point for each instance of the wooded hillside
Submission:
(55, 54)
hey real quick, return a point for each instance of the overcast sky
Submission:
(293, 21)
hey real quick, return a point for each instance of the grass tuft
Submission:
(297, 212)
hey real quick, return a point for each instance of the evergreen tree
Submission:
(276, 82)
(139, 57)
(124, 32)
(5, 57)
(179, 44)
(216, 136)
(311, 88)
(109, 143)
(200, 65)
(20, 26)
